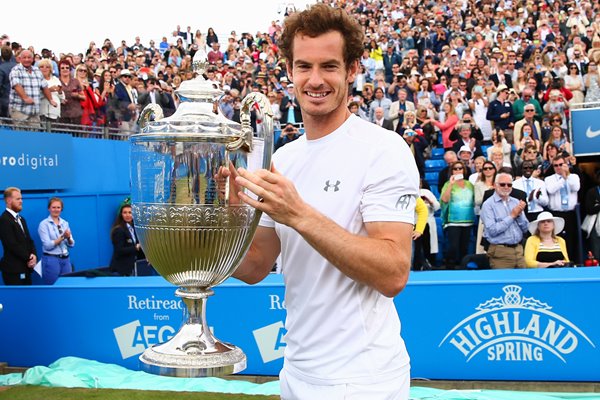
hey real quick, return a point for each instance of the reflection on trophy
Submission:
(191, 232)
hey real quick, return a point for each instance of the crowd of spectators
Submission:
(490, 82)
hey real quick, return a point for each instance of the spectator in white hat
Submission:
(544, 248)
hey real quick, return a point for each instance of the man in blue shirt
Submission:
(504, 223)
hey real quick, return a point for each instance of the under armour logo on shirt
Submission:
(335, 186)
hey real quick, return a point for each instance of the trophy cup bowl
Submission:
(189, 230)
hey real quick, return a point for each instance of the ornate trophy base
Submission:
(193, 352)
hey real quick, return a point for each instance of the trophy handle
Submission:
(267, 133)
(152, 112)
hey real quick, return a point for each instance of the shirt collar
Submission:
(14, 214)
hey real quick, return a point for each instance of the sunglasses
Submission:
(556, 120)
(505, 184)
(558, 165)
(457, 169)
(488, 168)
(529, 110)
(65, 67)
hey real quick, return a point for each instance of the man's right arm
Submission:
(261, 257)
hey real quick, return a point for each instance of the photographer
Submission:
(288, 134)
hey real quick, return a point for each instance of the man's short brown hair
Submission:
(8, 192)
(318, 20)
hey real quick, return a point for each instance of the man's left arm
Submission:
(574, 182)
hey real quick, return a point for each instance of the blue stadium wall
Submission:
(90, 175)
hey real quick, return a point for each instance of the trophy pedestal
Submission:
(193, 352)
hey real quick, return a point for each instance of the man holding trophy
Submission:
(338, 203)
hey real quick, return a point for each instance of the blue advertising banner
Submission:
(585, 131)
(538, 325)
(36, 160)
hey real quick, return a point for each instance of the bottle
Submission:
(591, 260)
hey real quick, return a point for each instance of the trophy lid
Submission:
(198, 116)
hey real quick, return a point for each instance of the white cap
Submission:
(465, 148)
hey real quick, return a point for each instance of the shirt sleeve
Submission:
(391, 183)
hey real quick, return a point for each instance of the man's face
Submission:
(503, 185)
(527, 169)
(379, 113)
(319, 74)
(529, 111)
(26, 58)
(529, 154)
(15, 202)
(450, 158)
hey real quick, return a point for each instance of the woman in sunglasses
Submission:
(57, 241)
(485, 182)
(458, 217)
(559, 139)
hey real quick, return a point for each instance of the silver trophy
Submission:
(191, 232)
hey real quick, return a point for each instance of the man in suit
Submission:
(465, 139)
(398, 108)
(381, 121)
(127, 106)
(290, 108)
(153, 94)
(19, 256)
(501, 77)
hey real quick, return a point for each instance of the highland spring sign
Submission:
(514, 327)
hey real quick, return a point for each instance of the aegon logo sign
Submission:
(515, 328)
(133, 338)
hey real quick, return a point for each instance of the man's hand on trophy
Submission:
(224, 178)
(275, 194)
